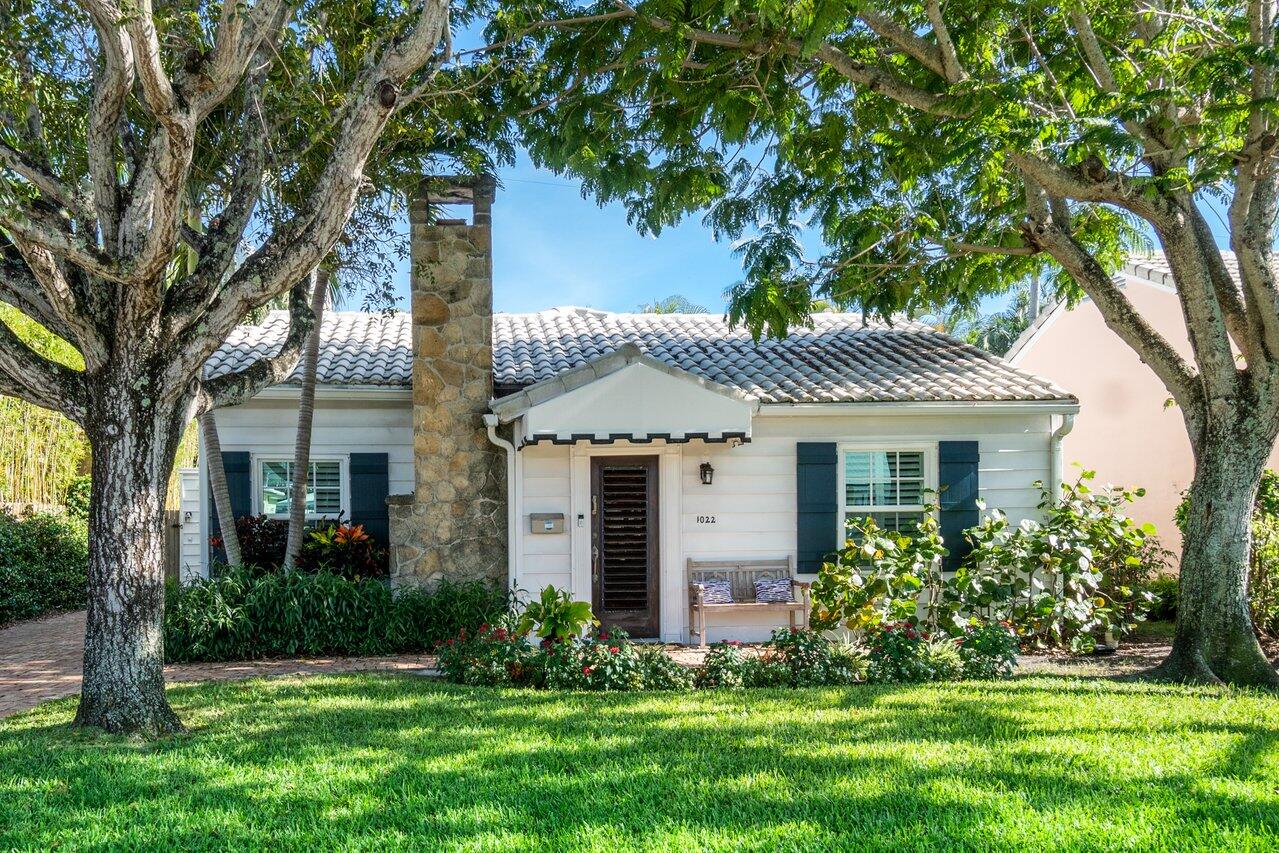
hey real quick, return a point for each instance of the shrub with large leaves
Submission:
(879, 576)
(556, 616)
(1070, 579)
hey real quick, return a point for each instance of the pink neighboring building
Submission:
(1125, 429)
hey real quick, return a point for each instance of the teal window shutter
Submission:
(817, 503)
(235, 464)
(957, 486)
(369, 486)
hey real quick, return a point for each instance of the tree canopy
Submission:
(907, 155)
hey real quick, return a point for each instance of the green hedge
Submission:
(293, 614)
(43, 565)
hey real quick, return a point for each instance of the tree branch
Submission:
(1191, 263)
(1044, 230)
(23, 229)
(110, 92)
(905, 39)
(1093, 182)
(1094, 58)
(296, 247)
(32, 171)
(875, 79)
(29, 376)
(19, 288)
(65, 302)
(953, 70)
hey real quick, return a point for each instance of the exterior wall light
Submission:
(707, 473)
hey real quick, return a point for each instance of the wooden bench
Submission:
(741, 575)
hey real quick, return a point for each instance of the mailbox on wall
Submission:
(546, 522)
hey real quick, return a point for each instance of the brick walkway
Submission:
(41, 660)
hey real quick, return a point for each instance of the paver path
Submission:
(41, 660)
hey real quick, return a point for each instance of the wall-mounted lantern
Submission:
(707, 473)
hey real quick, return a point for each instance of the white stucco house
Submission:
(600, 452)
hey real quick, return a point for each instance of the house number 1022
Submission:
(706, 519)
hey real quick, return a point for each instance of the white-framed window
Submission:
(893, 484)
(325, 487)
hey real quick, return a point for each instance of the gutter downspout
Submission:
(1054, 444)
(512, 519)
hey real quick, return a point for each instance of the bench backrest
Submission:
(741, 574)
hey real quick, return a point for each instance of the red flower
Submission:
(586, 670)
(612, 650)
(603, 635)
(733, 643)
(500, 633)
(484, 627)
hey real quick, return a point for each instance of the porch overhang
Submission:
(627, 396)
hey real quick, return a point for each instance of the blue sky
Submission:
(553, 247)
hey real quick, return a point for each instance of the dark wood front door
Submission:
(624, 562)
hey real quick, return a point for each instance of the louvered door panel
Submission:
(625, 546)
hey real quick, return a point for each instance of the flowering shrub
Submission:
(807, 659)
(603, 661)
(988, 650)
(726, 665)
(898, 653)
(660, 671)
(494, 655)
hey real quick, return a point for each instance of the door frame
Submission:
(652, 627)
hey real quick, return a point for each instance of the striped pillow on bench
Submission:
(717, 592)
(773, 590)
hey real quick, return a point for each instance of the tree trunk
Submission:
(1215, 640)
(134, 435)
(221, 492)
(306, 415)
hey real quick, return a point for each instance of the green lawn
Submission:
(399, 762)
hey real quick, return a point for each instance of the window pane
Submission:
(884, 478)
(324, 488)
(275, 487)
(910, 478)
(898, 522)
(857, 479)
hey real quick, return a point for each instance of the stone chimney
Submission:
(454, 524)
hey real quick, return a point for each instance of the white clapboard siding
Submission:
(747, 512)
(191, 552)
(267, 427)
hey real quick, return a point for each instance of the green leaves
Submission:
(836, 191)
(556, 616)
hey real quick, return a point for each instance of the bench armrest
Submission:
(801, 584)
(698, 593)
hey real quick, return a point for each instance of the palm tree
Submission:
(675, 304)
(218, 486)
(321, 293)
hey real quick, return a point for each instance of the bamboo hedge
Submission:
(41, 452)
